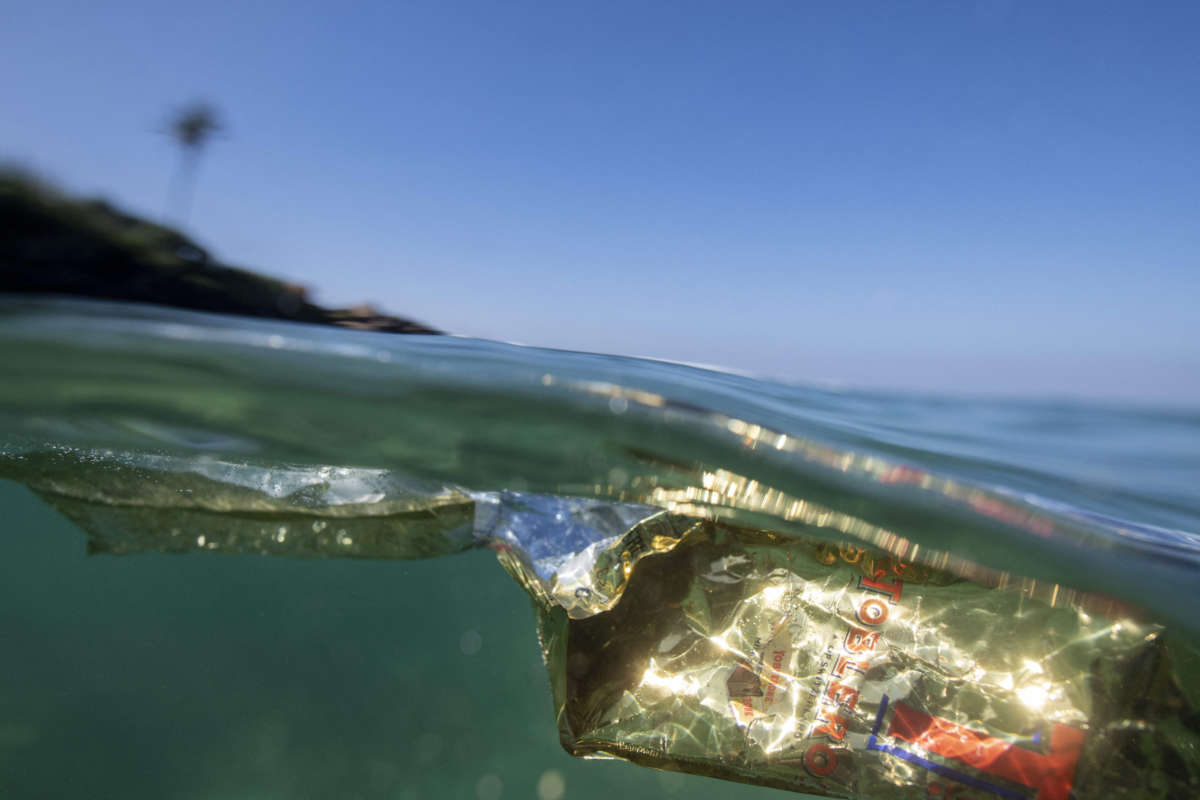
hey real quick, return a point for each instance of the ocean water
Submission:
(255, 659)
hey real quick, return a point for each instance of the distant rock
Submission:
(54, 244)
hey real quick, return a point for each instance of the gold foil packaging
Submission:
(834, 670)
(687, 644)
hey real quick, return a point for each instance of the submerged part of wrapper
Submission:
(144, 503)
(139, 503)
(845, 672)
(682, 641)
(577, 551)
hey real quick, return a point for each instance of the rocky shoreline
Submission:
(51, 243)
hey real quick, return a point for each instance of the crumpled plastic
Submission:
(842, 671)
(689, 643)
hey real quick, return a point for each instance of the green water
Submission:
(211, 674)
(224, 676)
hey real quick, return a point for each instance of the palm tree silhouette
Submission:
(191, 127)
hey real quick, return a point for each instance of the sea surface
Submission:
(268, 657)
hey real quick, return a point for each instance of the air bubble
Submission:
(489, 787)
(470, 643)
(551, 786)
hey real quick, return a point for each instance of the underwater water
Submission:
(225, 676)
(206, 574)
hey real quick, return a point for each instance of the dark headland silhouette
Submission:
(51, 243)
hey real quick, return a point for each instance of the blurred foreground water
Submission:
(174, 662)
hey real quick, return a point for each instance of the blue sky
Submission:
(982, 197)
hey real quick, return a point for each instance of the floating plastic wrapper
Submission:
(841, 671)
(695, 645)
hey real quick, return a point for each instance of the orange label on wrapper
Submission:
(744, 688)
(860, 679)
(755, 687)
(1050, 774)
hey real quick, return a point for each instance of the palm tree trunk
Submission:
(181, 189)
